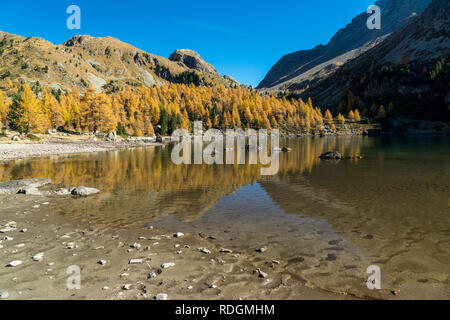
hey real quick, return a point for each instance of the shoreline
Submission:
(132, 262)
(51, 147)
(12, 150)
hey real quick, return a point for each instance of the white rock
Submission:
(24, 230)
(4, 295)
(179, 235)
(20, 245)
(71, 245)
(136, 261)
(84, 191)
(102, 262)
(136, 245)
(168, 265)
(126, 287)
(152, 275)
(14, 263)
(261, 274)
(62, 192)
(38, 257)
(204, 250)
(105, 288)
(7, 229)
(161, 296)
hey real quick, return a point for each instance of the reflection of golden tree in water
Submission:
(143, 184)
(145, 169)
(306, 152)
(152, 168)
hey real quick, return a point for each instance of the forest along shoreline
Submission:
(15, 146)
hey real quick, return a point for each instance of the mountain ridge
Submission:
(394, 14)
(406, 75)
(85, 60)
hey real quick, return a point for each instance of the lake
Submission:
(326, 221)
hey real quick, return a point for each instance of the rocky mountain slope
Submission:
(299, 69)
(84, 60)
(192, 60)
(406, 75)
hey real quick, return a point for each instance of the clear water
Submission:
(325, 221)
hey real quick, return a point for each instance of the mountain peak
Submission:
(303, 68)
(192, 60)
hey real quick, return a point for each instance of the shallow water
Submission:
(325, 221)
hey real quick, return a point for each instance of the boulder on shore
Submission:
(84, 191)
(331, 155)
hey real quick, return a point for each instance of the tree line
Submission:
(139, 111)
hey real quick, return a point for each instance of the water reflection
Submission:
(330, 220)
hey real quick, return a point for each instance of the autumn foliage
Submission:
(139, 110)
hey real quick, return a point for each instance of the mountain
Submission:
(406, 75)
(192, 59)
(84, 60)
(302, 68)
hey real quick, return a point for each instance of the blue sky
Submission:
(240, 38)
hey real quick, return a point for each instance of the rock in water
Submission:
(62, 192)
(84, 191)
(204, 250)
(30, 190)
(38, 257)
(262, 249)
(136, 261)
(14, 186)
(14, 263)
(261, 274)
(331, 155)
(168, 265)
